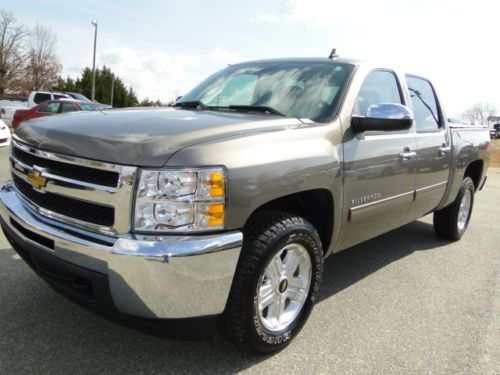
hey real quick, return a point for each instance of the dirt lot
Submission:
(495, 153)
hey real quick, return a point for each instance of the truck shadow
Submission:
(41, 329)
(349, 266)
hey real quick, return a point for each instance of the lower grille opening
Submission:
(73, 208)
(33, 236)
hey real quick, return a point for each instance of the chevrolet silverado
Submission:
(217, 213)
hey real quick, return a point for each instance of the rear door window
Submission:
(68, 107)
(57, 96)
(41, 97)
(424, 103)
(52, 107)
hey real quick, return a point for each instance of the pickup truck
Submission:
(218, 213)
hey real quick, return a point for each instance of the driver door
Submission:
(379, 167)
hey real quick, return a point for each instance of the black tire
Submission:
(265, 235)
(446, 219)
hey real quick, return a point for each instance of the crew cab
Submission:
(219, 211)
(54, 107)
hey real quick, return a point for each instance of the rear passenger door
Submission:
(433, 146)
(378, 167)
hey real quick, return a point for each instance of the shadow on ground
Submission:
(43, 332)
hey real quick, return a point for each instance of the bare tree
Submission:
(478, 113)
(42, 68)
(11, 42)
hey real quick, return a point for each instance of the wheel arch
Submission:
(316, 206)
(475, 170)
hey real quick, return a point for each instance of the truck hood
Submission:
(140, 137)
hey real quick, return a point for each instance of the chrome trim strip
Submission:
(431, 187)
(356, 208)
(65, 158)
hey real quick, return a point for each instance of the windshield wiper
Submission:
(257, 108)
(195, 104)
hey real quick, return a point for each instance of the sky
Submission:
(163, 48)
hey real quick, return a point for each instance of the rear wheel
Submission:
(452, 221)
(276, 282)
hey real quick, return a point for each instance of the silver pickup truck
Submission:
(219, 211)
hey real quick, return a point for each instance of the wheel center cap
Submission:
(283, 285)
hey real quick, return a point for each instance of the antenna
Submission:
(333, 54)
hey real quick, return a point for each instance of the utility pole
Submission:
(112, 89)
(94, 22)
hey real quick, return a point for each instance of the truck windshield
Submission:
(300, 89)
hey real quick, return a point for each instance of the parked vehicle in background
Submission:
(5, 136)
(78, 96)
(37, 97)
(219, 212)
(8, 107)
(54, 107)
(495, 131)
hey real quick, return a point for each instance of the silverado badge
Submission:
(36, 180)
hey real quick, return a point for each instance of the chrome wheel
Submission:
(464, 211)
(284, 287)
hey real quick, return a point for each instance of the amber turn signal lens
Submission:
(216, 184)
(216, 215)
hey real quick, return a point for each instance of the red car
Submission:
(54, 107)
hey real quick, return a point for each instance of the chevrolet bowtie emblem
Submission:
(36, 180)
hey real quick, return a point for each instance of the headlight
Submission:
(180, 200)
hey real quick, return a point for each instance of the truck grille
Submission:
(80, 210)
(90, 194)
(76, 172)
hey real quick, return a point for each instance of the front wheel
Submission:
(452, 221)
(276, 282)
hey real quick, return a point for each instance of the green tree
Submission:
(123, 96)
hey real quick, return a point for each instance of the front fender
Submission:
(266, 166)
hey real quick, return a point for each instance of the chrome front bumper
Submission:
(158, 277)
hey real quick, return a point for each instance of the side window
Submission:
(56, 96)
(424, 103)
(52, 107)
(68, 107)
(379, 87)
(41, 97)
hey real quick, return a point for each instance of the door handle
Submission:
(444, 150)
(407, 154)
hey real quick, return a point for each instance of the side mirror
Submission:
(385, 116)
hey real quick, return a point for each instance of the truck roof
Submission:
(344, 60)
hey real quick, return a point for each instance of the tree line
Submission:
(122, 96)
(28, 62)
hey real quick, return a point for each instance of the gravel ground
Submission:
(405, 302)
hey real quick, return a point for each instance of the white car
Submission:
(5, 136)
